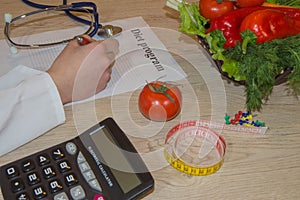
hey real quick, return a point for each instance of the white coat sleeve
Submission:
(30, 105)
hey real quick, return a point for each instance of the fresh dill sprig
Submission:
(262, 63)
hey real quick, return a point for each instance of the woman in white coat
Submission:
(31, 101)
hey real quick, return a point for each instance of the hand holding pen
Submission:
(80, 71)
(85, 40)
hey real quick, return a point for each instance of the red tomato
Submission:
(211, 9)
(160, 101)
(249, 3)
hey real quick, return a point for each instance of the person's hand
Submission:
(82, 71)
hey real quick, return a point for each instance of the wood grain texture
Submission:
(256, 167)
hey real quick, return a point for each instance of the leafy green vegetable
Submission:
(294, 3)
(191, 20)
(262, 63)
(216, 41)
(257, 65)
(248, 37)
(231, 66)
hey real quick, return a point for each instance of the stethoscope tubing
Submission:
(90, 30)
(41, 6)
(92, 5)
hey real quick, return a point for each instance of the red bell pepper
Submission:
(291, 12)
(270, 24)
(230, 23)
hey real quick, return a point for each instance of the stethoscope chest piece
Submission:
(109, 31)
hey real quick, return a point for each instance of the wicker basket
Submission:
(281, 78)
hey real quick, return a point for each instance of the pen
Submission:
(82, 40)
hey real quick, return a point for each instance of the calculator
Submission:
(99, 164)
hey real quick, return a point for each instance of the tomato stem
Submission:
(162, 89)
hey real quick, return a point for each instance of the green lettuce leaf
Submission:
(191, 20)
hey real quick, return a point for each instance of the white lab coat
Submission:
(30, 105)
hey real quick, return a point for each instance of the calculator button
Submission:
(88, 175)
(23, 196)
(33, 178)
(57, 154)
(71, 148)
(12, 172)
(77, 192)
(64, 166)
(99, 197)
(61, 196)
(84, 167)
(48, 172)
(43, 159)
(39, 192)
(55, 186)
(17, 185)
(71, 179)
(28, 166)
(80, 158)
(95, 185)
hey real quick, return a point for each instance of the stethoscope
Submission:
(86, 7)
(90, 7)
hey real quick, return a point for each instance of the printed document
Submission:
(142, 57)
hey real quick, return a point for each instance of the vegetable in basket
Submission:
(257, 65)
(270, 24)
(230, 23)
(211, 9)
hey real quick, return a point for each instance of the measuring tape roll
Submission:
(194, 149)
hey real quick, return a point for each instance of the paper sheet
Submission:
(142, 57)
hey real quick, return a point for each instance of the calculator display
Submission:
(113, 156)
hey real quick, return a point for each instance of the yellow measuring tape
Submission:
(192, 170)
(194, 149)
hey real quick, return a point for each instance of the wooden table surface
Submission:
(256, 166)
